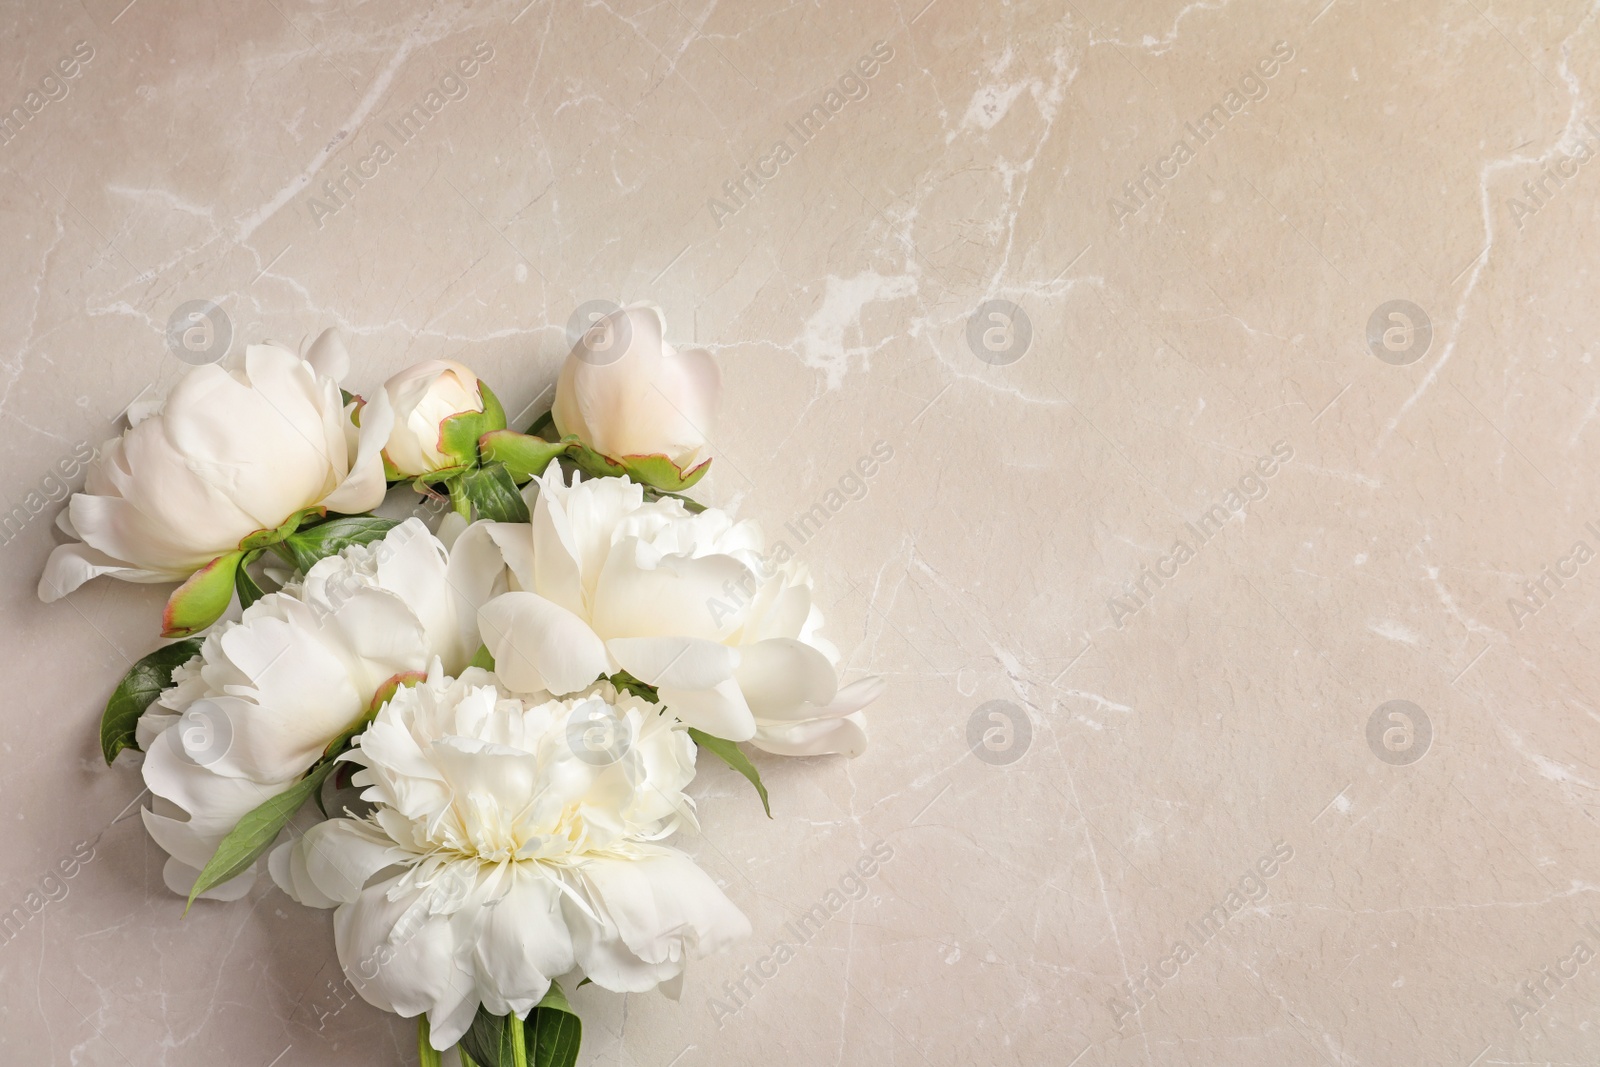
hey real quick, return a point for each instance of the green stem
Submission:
(458, 498)
(427, 1055)
(519, 1041)
(466, 1060)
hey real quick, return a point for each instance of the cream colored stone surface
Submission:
(1162, 744)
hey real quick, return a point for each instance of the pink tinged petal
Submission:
(675, 662)
(781, 676)
(641, 596)
(70, 566)
(364, 487)
(719, 711)
(845, 736)
(538, 645)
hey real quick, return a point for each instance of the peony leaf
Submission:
(483, 658)
(493, 492)
(550, 1036)
(331, 538)
(459, 434)
(733, 756)
(554, 1031)
(244, 582)
(526, 457)
(137, 691)
(201, 600)
(256, 832)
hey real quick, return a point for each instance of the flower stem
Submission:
(427, 1056)
(519, 1041)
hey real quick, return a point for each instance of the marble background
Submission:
(1088, 743)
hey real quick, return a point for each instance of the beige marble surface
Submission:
(1175, 732)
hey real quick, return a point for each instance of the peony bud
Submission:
(425, 397)
(625, 392)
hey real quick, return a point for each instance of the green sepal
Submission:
(137, 691)
(654, 471)
(659, 472)
(256, 832)
(332, 537)
(459, 434)
(525, 456)
(263, 538)
(201, 600)
(244, 582)
(733, 756)
(493, 492)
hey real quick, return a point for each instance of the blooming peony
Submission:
(229, 453)
(604, 581)
(256, 708)
(512, 841)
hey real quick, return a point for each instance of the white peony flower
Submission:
(625, 392)
(424, 397)
(257, 707)
(603, 581)
(512, 842)
(228, 454)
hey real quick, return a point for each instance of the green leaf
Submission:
(526, 457)
(734, 757)
(466, 1060)
(427, 1055)
(554, 1031)
(137, 691)
(459, 434)
(483, 658)
(201, 600)
(488, 1039)
(493, 492)
(256, 832)
(331, 538)
(244, 582)
(629, 684)
(550, 1036)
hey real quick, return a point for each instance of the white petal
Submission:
(675, 662)
(70, 566)
(719, 711)
(522, 943)
(537, 644)
(846, 736)
(656, 913)
(781, 676)
(363, 488)
(180, 878)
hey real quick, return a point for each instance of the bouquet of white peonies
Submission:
(514, 698)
